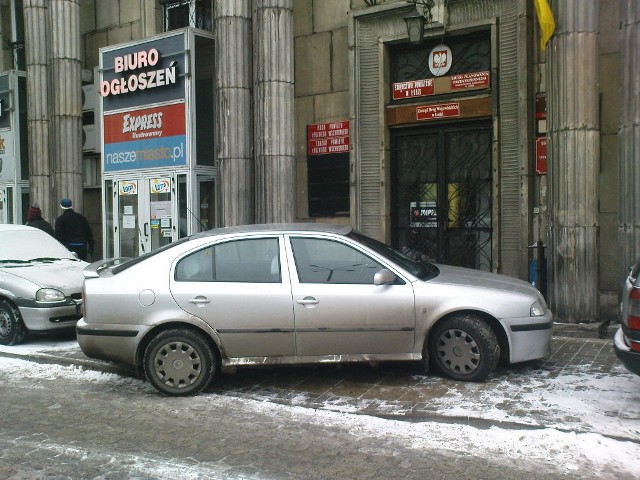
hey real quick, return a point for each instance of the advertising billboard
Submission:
(145, 138)
(143, 92)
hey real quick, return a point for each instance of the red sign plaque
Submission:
(412, 89)
(470, 80)
(328, 138)
(441, 110)
(541, 155)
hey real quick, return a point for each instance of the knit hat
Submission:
(65, 203)
(34, 212)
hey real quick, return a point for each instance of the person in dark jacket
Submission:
(34, 219)
(73, 230)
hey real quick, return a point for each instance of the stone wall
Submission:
(321, 78)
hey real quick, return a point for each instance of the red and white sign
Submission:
(441, 110)
(541, 155)
(145, 124)
(440, 60)
(412, 89)
(469, 80)
(328, 138)
(330, 129)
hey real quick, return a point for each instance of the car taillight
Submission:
(633, 319)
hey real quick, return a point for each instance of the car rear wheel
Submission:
(12, 328)
(179, 362)
(464, 348)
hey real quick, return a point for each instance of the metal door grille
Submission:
(442, 194)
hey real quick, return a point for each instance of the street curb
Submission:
(603, 329)
(85, 364)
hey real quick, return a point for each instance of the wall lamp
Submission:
(418, 19)
(415, 27)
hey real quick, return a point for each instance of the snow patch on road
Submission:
(573, 452)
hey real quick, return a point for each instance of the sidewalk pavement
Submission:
(580, 388)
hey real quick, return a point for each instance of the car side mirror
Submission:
(384, 277)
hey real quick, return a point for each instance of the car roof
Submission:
(10, 227)
(277, 228)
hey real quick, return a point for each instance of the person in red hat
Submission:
(34, 219)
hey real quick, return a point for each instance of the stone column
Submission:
(629, 134)
(150, 18)
(38, 118)
(234, 131)
(574, 152)
(273, 111)
(66, 100)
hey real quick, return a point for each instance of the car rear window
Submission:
(134, 261)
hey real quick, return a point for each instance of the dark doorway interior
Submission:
(441, 193)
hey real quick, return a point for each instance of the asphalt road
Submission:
(56, 427)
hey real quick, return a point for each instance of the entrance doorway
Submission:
(145, 214)
(441, 193)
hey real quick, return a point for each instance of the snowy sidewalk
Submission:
(580, 388)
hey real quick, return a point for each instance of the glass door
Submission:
(159, 228)
(441, 190)
(127, 226)
(145, 210)
(207, 204)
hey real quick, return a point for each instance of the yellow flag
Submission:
(546, 21)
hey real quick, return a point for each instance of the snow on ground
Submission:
(37, 346)
(575, 452)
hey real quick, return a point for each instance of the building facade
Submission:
(469, 144)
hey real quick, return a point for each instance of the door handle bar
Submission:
(308, 301)
(199, 301)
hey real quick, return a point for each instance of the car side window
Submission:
(327, 261)
(247, 261)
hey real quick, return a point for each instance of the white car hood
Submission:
(480, 279)
(61, 274)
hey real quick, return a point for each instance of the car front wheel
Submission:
(12, 328)
(179, 362)
(464, 348)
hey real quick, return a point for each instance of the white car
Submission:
(301, 293)
(40, 283)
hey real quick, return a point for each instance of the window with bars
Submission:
(188, 13)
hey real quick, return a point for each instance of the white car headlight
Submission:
(537, 309)
(49, 295)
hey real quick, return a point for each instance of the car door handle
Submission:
(307, 301)
(199, 300)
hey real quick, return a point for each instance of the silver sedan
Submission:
(40, 284)
(302, 293)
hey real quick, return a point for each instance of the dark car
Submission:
(626, 341)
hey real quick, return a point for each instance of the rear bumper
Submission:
(114, 343)
(629, 358)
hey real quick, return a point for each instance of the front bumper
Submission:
(529, 338)
(49, 318)
(629, 358)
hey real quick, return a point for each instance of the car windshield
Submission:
(20, 246)
(422, 270)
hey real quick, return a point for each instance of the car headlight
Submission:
(49, 295)
(537, 309)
